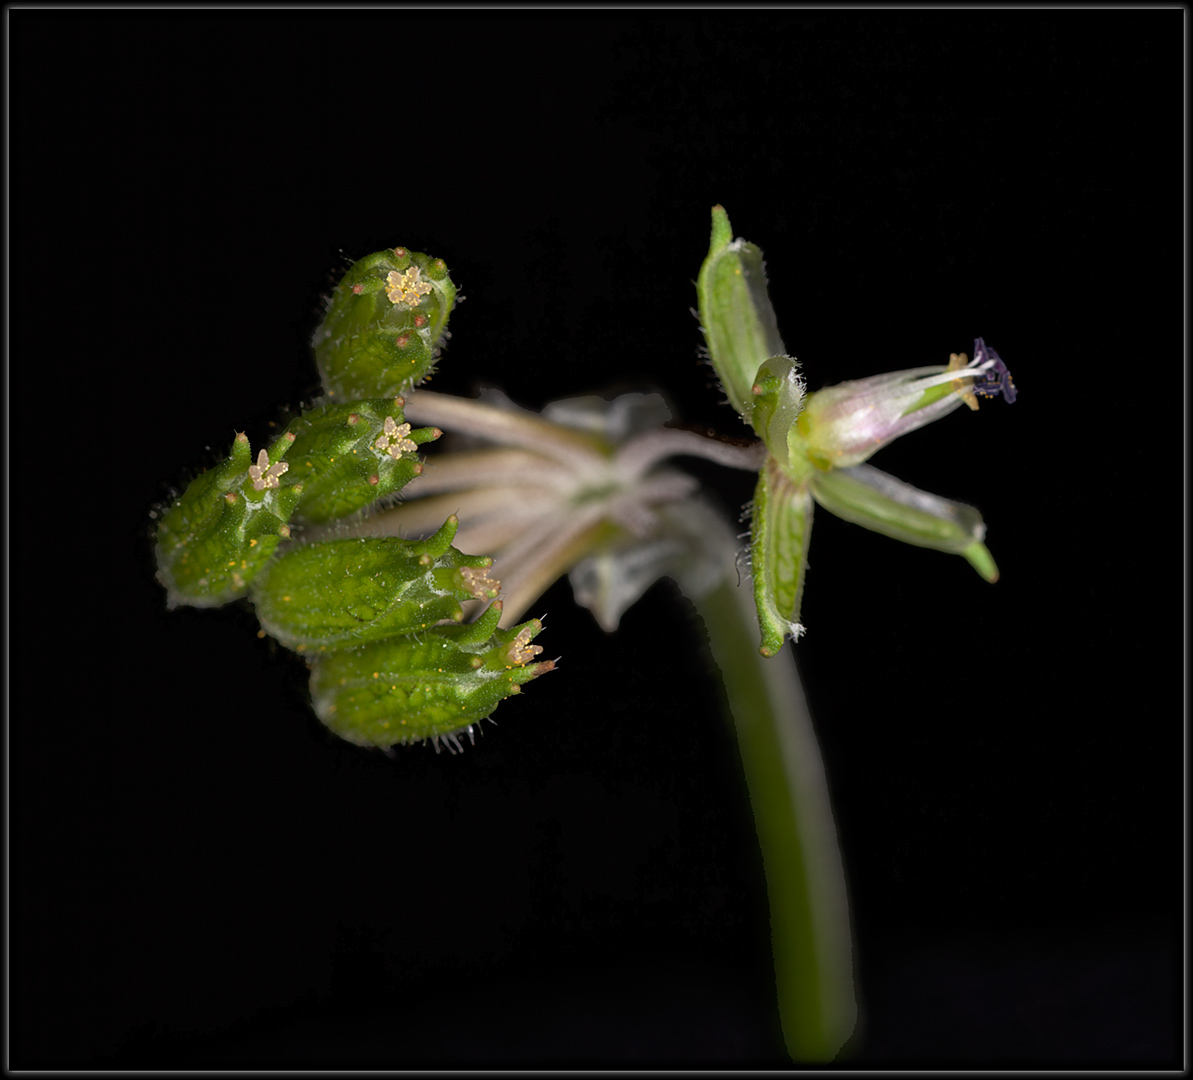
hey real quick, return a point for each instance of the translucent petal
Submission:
(611, 581)
(866, 496)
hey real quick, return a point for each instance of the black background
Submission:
(202, 876)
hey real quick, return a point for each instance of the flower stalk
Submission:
(811, 936)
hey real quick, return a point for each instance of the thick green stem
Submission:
(805, 880)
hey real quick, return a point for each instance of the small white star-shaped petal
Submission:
(393, 440)
(265, 475)
(406, 288)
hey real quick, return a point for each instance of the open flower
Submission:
(818, 444)
(843, 425)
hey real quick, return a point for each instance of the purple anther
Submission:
(995, 380)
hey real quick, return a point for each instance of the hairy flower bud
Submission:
(350, 455)
(350, 592)
(214, 538)
(431, 686)
(385, 324)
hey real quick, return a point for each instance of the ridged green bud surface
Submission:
(214, 538)
(342, 593)
(347, 456)
(780, 529)
(431, 686)
(385, 323)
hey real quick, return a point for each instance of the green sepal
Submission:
(780, 529)
(344, 458)
(778, 396)
(430, 686)
(978, 556)
(344, 593)
(215, 537)
(736, 315)
(866, 496)
(382, 334)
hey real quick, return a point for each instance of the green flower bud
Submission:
(384, 324)
(432, 686)
(780, 529)
(348, 456)
(735, 312)
(350, 592)
(222, 530)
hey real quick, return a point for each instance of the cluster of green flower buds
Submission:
(355, 605)
(215, 538)
(817, 443)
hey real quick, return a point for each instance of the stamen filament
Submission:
(529, 568)
(510, 426)
(482, 468)
(645, 451)
(421, 517)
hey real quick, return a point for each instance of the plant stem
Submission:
(810, 932)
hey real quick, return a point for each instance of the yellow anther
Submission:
(406, 288)
(520, 650)
(478, 582)
(265, 475)
(963, 388)
(393, 440)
